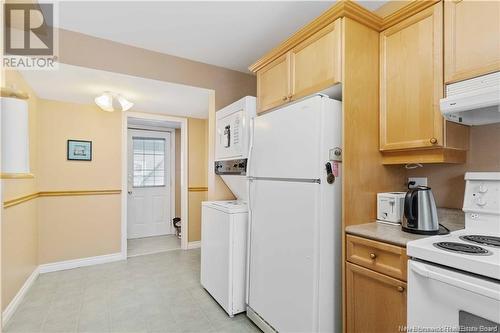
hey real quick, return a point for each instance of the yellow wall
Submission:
(19, 223)
(78, 226)
(197, 173)
(60, 121)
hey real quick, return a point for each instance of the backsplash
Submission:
(447, 180)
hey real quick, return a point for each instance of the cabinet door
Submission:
(472, 38)
(411, 82)
(374, 302)
(273, 84)
(316, 62)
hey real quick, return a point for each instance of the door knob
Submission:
(433, 141)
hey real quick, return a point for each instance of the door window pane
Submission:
(149, 162)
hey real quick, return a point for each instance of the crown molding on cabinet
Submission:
(20, 200)
(411, 9)
(344, 8)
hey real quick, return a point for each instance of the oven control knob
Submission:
(483, 189)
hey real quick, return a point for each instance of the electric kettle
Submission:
(420, 213)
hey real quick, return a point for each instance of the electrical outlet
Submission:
(419, 181)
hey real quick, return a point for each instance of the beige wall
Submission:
(19, 223)
(197, 173)
(78, 226)
(447, 181)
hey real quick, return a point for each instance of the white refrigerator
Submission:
(294, 241)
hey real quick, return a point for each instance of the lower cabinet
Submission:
(374, 302)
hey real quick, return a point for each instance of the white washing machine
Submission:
(224, 223)
(223, 254)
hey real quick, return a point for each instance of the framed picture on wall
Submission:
(79, 150)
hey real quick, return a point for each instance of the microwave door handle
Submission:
(227, 134)
(421, 270)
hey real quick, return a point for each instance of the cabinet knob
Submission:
(289, 97)
(373, 255)
(401, 289)
(433, 141)
(285, 98)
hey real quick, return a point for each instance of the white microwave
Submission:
(232, 137)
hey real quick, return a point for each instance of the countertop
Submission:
(453, 219)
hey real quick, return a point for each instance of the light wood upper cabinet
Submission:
(472, 38)
(316, 62)
(311, 66)
(411, 82)
(374, 302)
(273, 84)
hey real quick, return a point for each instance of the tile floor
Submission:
(150, 245)
(152, 293)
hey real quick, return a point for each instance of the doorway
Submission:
(153, 186)
(150, 184)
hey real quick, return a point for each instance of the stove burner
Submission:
(482, 239)
(462, 248)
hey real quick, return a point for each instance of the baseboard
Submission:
(16, 301)
(194, 245)
(69, 264)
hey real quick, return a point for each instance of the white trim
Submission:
(16, 301)
(194, 245)
(184, 173)
(172, 179)
(152, 252)
(75, 263)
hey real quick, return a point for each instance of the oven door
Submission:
(442, 299)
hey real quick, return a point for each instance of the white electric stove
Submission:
(454, 279)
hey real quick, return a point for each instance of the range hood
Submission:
(474, 101)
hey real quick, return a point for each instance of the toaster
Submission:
(390, 207)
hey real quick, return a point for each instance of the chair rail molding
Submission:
(25, 198)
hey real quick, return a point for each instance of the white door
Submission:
(286, 142)
(283, 287)
(149, 185)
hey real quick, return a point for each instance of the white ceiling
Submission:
(231, 34)
(81, 85)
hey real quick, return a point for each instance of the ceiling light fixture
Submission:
(110, 101)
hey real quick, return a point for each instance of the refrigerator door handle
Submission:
(292, 180)
(250, 148)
